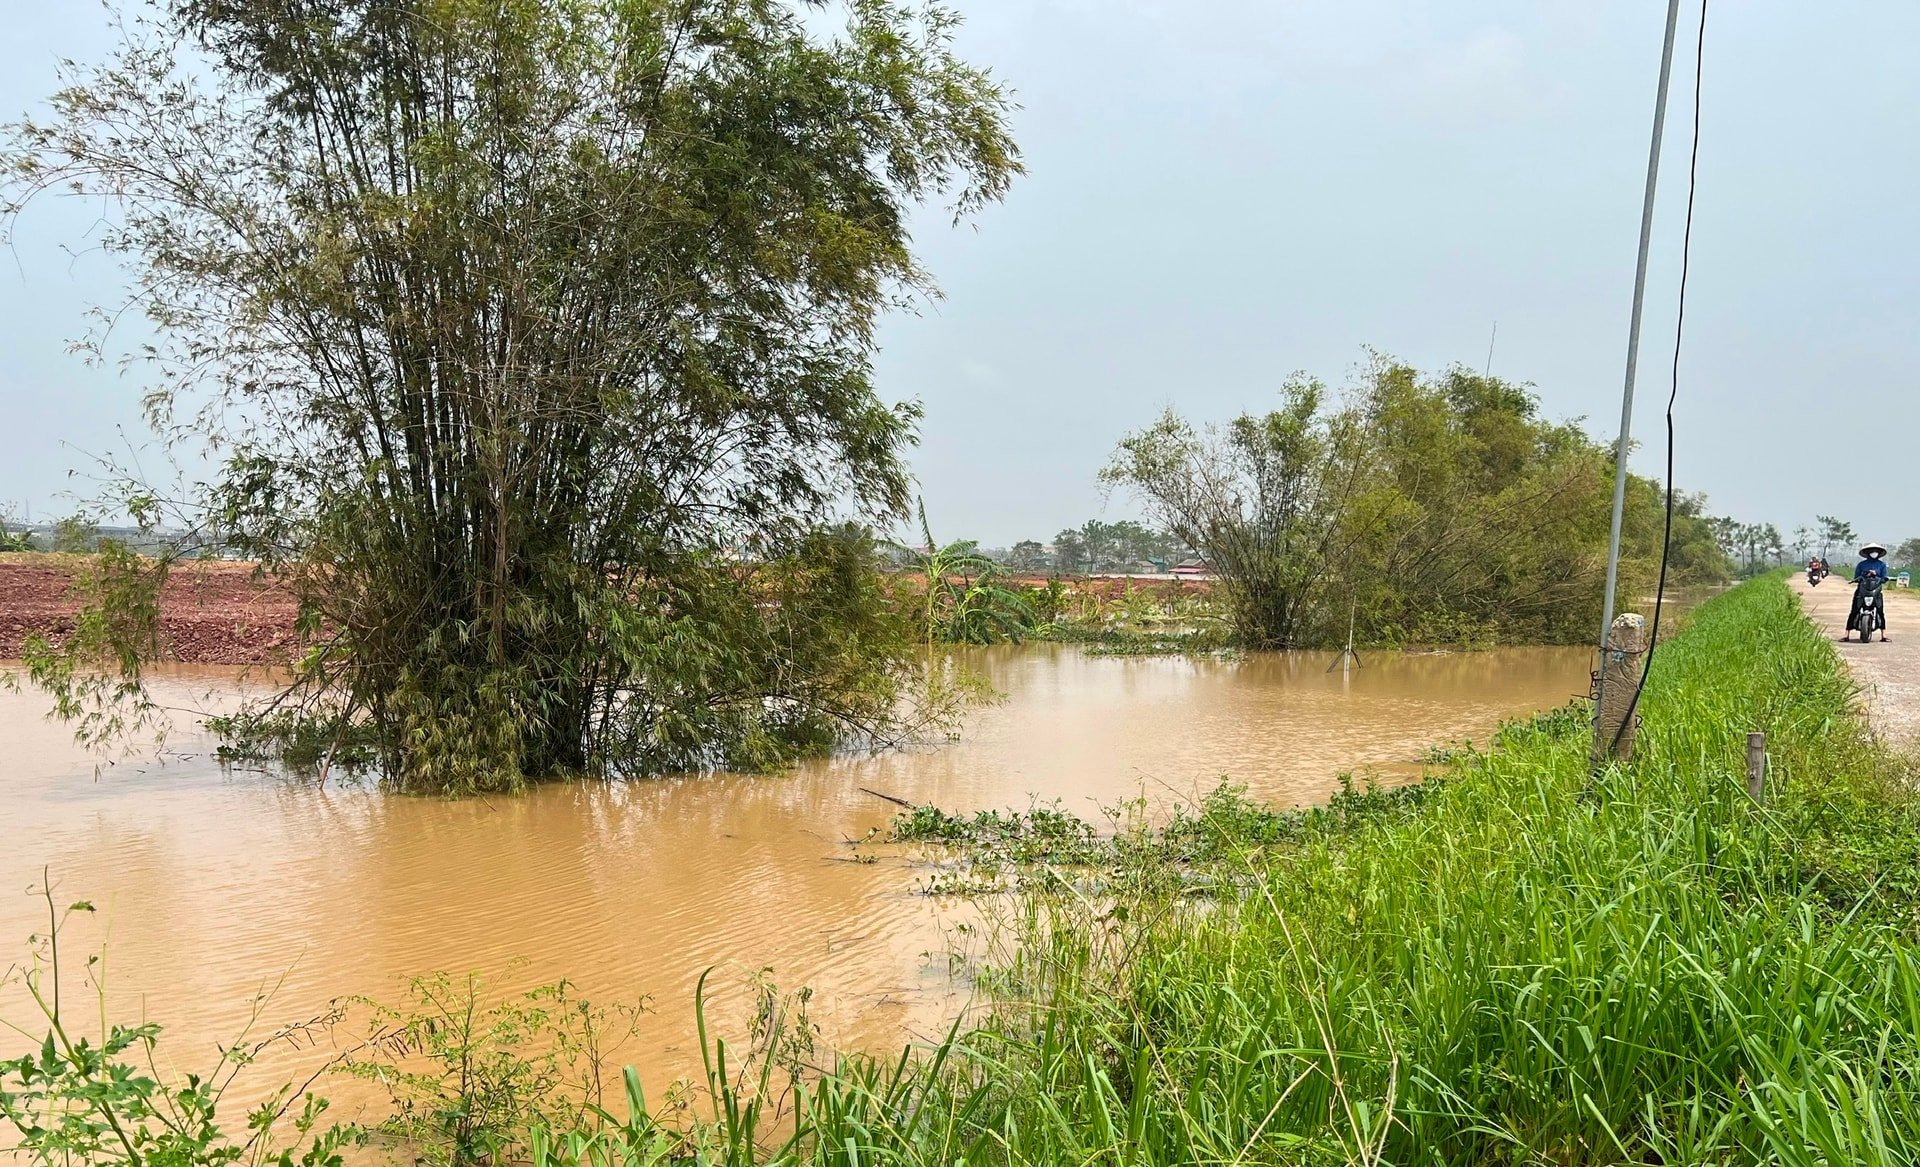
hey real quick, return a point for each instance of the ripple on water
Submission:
(215, 885)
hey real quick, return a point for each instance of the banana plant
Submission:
(966, 600)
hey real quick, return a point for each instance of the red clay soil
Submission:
(1109, 586)
(217, 613)
(210, 613)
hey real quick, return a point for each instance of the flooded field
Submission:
(214, 885)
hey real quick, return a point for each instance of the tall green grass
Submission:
(1528, 964)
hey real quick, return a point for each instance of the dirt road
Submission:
(1889, 673)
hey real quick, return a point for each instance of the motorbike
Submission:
(1813, 577)
(1869, 615)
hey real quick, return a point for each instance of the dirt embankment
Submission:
(210, 613)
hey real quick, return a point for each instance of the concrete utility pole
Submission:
(1615, 721)
(1602, 739)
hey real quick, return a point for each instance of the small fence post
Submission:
(1757, 767)
(1613, 728)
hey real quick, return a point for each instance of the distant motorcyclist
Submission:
(1873, 562)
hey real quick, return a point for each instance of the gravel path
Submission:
(1889, 673)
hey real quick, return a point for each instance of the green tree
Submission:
(1761, 546)
(511, 321)
(1070, 552)
(1136, 543)
(1802, 541)
(1429, 507)
(1836, 537)
(1102, 542)
(1263, 497)
(1026, 555)
(1477, 517)
(1728, 533)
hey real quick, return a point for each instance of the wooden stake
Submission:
(1757, 767)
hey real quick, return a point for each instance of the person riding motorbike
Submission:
(1813, 572)
(1873, 562)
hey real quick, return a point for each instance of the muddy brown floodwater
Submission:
(213, 884)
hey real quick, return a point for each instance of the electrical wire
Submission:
(1673, 394)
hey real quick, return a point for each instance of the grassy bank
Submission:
(1518, 964)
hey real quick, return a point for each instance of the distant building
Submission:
(1193, 569)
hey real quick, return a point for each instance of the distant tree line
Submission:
(1127, 545)
(76, 535)
(1759, 546)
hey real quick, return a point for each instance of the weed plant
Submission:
(1135, 621)
(102, 1097)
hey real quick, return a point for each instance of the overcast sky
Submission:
(1223, 191)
